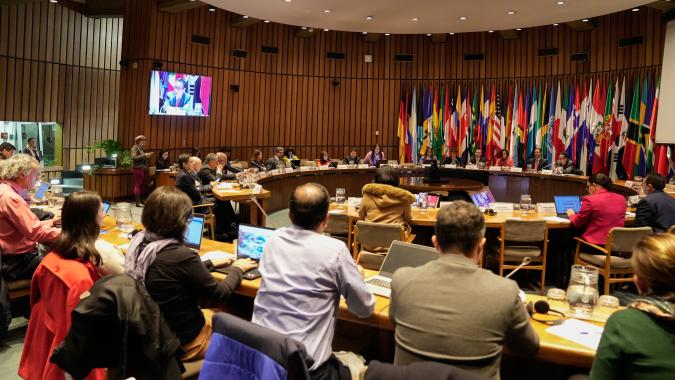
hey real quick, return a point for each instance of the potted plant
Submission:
(111, 147)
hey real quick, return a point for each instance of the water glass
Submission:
(340, 195)
(525, 203)
(529, 167)
(582, 292)
(423, 201)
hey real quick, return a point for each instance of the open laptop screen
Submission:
(483, 198)
(406, 255)
(40, 193)
(566, 202)
(251, 241)
(106, 207)
(193, 235)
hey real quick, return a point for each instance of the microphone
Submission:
(546, 167)
(254, 200)
(542, 307)
(525, 261)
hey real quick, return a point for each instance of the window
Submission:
(48, 136)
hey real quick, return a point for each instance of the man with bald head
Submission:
(304, 273)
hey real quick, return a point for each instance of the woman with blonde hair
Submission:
(639, 341)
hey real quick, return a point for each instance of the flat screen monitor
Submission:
(179, 94)
(483, 198)
(251, 241)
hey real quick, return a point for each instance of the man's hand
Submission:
(56, 220)
(221, 262)
(245, 264)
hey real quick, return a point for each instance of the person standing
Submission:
(140, 167)
(32, 149)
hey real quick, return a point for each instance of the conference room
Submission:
(273, 189)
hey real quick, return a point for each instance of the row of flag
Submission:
(605, 124)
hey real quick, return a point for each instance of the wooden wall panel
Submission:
(288, 99)
(57, 65)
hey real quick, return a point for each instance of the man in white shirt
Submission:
(304, 273)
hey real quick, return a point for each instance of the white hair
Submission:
(11, 168)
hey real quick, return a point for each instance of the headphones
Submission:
(491, 212)
(542, 307)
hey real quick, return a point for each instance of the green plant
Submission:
(111, 147)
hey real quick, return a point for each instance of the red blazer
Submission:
(598, 214)
(55, 291)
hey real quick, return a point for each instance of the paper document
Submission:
(630, 214)
(336, 211)
(216, 255)
(583, 333)
(556, 219)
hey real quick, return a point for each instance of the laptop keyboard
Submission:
(380, 282)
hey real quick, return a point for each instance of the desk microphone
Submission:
(525, 261)
(253, 198)
(546, 167)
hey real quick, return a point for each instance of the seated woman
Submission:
(257, 161)
(564, 165)
(505, 160)
(600, 211)
(163, 162)
(323, 159)
(174, 276)
(374, 156)
(63, 275)
(384, 202)
(289, 156)
(639, 341)
(453, 159)
(428, 157)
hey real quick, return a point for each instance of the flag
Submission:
(602, 130)
(644, 128)
(513, 143)
(448, 132)
(402, 131)
(437, 141)
(559, 124)
(548, 132)
(412, 128)
(655, 153)
(632, 134)
(568, 132)
(465, 125)
(523, 107)
(474, 133)
(532, 126)
(427, 122)
(583, 132)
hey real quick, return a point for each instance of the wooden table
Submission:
(419, 184)
(246, 196)
(553, 348)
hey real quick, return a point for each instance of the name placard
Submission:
(341, 166)
(289, 170)
(547, 171)
(547, 207)
(449, 166)
(495, 168)
(363, 166)
(502, 206)
(471, 166)
(305, 168)
(516, 170)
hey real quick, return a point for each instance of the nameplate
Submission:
(444, 203)
(495, 168)
(517, 170)
(546, 207)
(426, 165)
(634, 199)
(324, 167)
(341, 166)
(502, 206)
(629, 184)
(547, 171)
(289, 170)
(363, 166)
(469, 166)
(450, 166)
(305, 168)
(353, 201)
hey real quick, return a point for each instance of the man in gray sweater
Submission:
(452, 311)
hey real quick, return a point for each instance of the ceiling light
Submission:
(326, 11)
(491, 31)
(556, 24)
(560, 3)
(364, 33)
(288, 1)
(325, 30)
(451, 33)
(428, 34)
(511, 12)
(53, 1)
(519, 29)
(304, 28)
(267, 21)
(463, 18)
(585, 20)
(415, 19)
(386, 34)
(244, 16)
(212, 9)
(635, 9)
(369, 17)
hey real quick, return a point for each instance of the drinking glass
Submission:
(423, 201)
(340, 195)
(529, 167)
(525, 203)
(582, 292)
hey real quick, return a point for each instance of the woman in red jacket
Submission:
(62, 276)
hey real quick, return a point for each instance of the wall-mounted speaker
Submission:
(234, 87)
(239, 53)
(335, 82)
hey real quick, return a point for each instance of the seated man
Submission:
(304, 273)
(453, 159)
(478, 159)
(657, 209)
(564, 165)
(352, 158)
(188, 181)
(277, 161)
(213, 171)
(20, 229)
(226, 163)
(471, 312)
(537, 163)
(6, 150)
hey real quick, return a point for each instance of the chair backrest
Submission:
(238, 344)
(624, 239)
(378, 234)
(524, 231)
(338, 224)
(672, 229)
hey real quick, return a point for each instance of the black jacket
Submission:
(208, 175)
(349, 160)
(656, 210)
(418, 371)
(118, 325)
(186, 182)
(543, 164)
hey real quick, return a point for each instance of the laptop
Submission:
(295, 163)
(106, 207)
(483, 198)
(400, 255)
(251, 243)
(566, 202)
(40, 192)
(193, 235)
